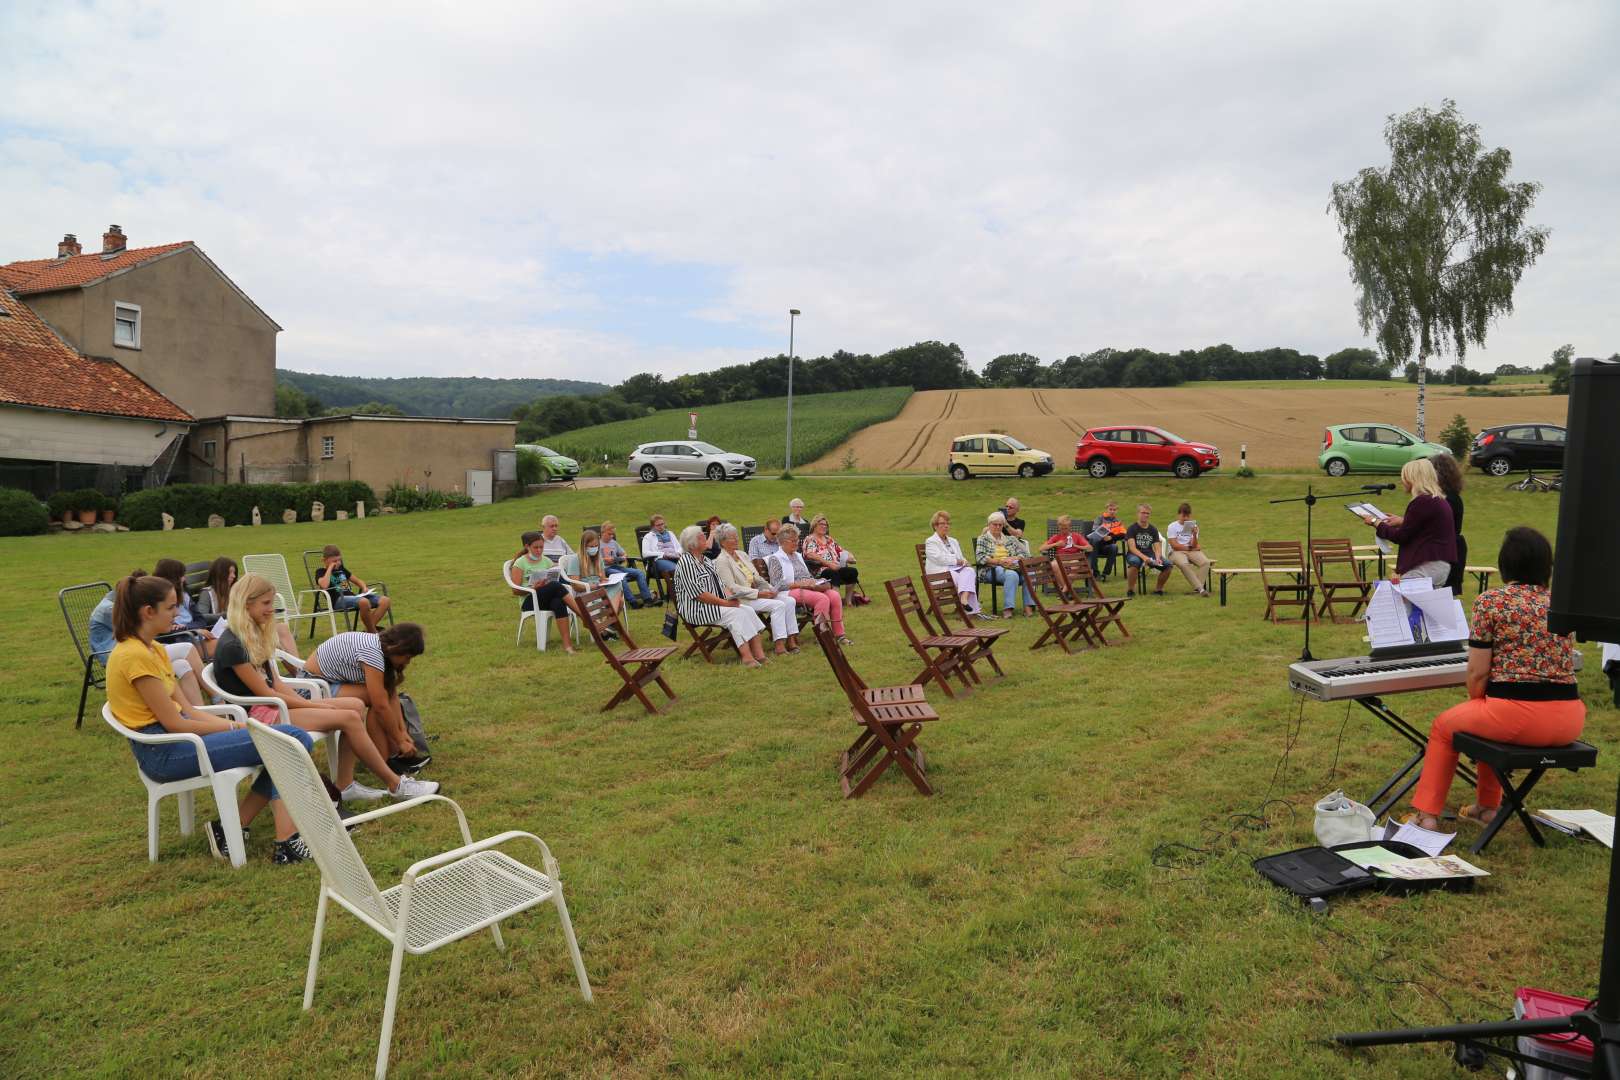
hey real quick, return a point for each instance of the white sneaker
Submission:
(358, 792)
(410, 787)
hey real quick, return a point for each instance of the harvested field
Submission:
(1282, 427)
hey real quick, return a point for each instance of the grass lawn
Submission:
(1075, 900)
(755, 428)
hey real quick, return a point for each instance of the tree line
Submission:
(933, 365)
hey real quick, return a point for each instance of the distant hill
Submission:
(478, 397)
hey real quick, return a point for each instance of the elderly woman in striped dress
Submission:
(699, 598)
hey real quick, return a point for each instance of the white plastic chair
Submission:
(542, 619)
(222, 782)
(317, 690)
(439, 900)
(289, 601)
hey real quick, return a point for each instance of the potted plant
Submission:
(61, 506)
(88, 503)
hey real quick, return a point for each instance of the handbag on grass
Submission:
(1342, 820)
(671, 624)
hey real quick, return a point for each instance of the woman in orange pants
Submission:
(1521, 680)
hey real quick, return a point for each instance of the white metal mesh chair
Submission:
(289, 601)
(222, 782)
(542, 619)
(439, 900)
(317, 690)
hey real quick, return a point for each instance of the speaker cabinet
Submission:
(1586, 565)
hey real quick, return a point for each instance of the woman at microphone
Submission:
(1521, 681)
(1425, 532)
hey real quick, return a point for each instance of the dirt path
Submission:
(1282, 428)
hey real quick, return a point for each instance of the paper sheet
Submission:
(1366, 509)
(1443, 615)
(1442, 866)
(1369, 857)
(1432, 842)
(1387, 623)
(1598, 824)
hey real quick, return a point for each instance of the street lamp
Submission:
(787, 461)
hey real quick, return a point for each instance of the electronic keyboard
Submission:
(1414, 668)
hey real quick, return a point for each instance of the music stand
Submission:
(1309, 499)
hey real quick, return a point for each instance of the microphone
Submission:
(1376, 488)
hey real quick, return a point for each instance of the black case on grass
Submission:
(1318, 872)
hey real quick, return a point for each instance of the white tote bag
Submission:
(1342, 820)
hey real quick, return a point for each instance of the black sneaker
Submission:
(216, 839)
(610, 634)
(414, 763)
(289, 851)
(344, 814)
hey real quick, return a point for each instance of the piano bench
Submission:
(1504, 759)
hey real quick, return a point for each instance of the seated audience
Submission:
(711, 546)
(943, 555)
(661, 549)
(742, 582)
(584, 570)
(1144, 547)
(174, 571)
(1106, 534)
(1065, 541)
(244, 666)
(1186, 551)
(996, 553)
(699, 600)
(832, 562)
(1015, 524)
(617, 562)
(144, 695)
(347, 592)
(185, 659)
(764, 545)
(796, 518)
(216, 597)
(552, 543)
(790, 575)
(532, 569)
(371, 667)
(1521, 681)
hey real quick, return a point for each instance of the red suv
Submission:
(1103, 451)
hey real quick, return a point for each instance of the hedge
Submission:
(21, 514)
(191, 504)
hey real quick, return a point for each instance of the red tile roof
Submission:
(47, 275)
(38, 368)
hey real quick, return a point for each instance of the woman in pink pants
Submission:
(790, 575)
(1521, 681)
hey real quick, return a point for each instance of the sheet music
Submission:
(1387, 623)
(1366, 509)
(1408, 586)
(1443, 615)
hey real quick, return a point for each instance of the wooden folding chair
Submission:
(1074, 570)
(1065, 620)
(943, 655)
(637, 667)
(706, 639)
(942, 600)
(891, 718)
(1338, 579)
(1284, 558)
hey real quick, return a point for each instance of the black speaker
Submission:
(1586, 565)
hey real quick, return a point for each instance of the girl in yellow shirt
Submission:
(142, 691)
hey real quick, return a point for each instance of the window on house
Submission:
(127, 326)
(328, 446)
(210, 447)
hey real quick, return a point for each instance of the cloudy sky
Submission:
(590, 190)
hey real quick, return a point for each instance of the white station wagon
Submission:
(690, 460)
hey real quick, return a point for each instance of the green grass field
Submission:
(755, 428)
(1076, 899)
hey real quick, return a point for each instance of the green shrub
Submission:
(531, 468)
(88, 499)
(1244, 473)
(191, 504)
(1457, 436)
(21, 514)
(406, 499)
(61, 504)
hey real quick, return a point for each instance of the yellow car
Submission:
(992, 454)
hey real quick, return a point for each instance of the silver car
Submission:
(689, 460)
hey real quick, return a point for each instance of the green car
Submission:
(556, 466)
(1369, 447)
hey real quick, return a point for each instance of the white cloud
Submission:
(407, 188)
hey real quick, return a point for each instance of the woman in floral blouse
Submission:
(1521, 680)
(831, 562)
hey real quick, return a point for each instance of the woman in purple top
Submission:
(1425, 532)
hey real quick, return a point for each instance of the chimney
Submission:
(112, 241)
(68, 247)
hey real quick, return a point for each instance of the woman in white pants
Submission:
(698, 599)
(742, 582)
(943, 555)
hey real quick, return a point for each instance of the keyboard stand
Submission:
(1406, 777)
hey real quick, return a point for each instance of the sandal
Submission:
(1476, 813)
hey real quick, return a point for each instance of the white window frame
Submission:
(328, 447)
(119, 307)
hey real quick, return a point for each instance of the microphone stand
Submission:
(1309, 499)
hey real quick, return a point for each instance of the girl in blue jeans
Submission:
(144, 696)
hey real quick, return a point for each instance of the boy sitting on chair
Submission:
(348, 592)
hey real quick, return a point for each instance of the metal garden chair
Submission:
(77, 602)
(273, 568)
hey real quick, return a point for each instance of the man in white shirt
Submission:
(1186, 553)
(555, 546)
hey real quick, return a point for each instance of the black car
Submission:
(1500, 450)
